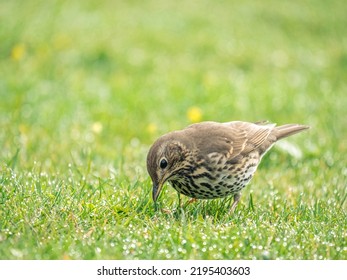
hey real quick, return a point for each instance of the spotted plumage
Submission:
(212, 160)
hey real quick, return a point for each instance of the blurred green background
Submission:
(87, 86)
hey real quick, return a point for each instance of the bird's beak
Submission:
(156, 190)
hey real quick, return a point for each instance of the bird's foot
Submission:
(166, 211)
(190, 201)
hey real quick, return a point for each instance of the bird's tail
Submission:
(289, 129)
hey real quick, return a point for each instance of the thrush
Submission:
(212, 160)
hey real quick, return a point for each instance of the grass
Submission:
(86, 87)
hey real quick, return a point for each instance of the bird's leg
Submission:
(167, 211)
(179, 200)
(192, 200)
(237, 197)
(155, 206)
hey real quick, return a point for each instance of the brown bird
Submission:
(212, 160)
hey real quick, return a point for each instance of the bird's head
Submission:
(163, 160)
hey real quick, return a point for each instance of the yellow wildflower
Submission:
(194, 114)
(152, 128)
(18, 52)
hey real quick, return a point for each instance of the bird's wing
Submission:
(232, 139)
(257, 134)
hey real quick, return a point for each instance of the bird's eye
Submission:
(163, 163)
